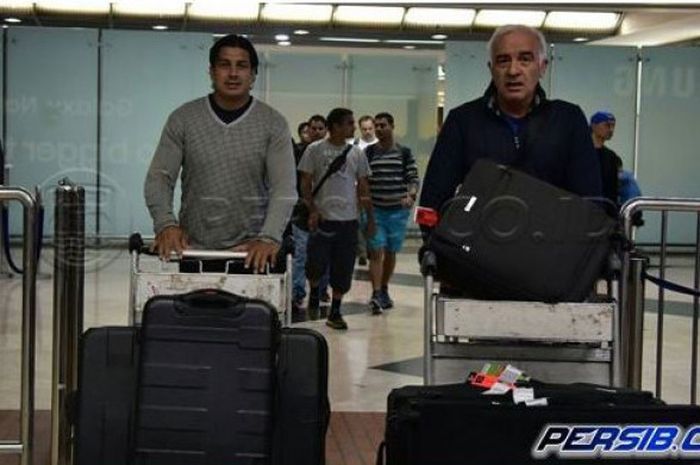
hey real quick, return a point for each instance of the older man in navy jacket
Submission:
(515, 124)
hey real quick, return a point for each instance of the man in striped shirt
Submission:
(394, 185)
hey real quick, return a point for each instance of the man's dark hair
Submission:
(318, 118)
(365, 118)
(301, 127)
(234, 41)
(337, 117)
(385, 115)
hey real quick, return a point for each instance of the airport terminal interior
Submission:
(85, 95)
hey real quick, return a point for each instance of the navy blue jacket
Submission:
(554, 144)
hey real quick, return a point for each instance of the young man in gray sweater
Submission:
(237, 163)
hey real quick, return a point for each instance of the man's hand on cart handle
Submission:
(168, 240)
(260, 252)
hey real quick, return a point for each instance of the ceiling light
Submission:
(160, 27)
(368, 15)
(580, 39)
(409, 47)
(149, 7)
(348, 39)
(442, 17)
(13, 20)
(284, 43)
(411, 41)
(495, 18)
(281, 37)
(279, 12)
(580, 20)
(74, 6)
(439, 36)
(224, 9)
(301, 32)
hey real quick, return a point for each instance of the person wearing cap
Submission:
(235, 158)
(602, 130)
(513, 123)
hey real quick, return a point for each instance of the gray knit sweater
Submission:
(238, 180)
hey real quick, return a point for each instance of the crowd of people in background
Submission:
(360, 211)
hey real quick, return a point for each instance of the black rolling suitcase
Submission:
(106, 399)
(302, 407)
(510, 236)
(107, 406)
(206, 380)
(457, 425)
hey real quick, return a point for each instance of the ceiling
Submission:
(638, 23)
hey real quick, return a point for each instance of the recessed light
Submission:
(301, 32)
(349, 39)
(580, 39)
(160, 27)
(413, 42)
(284, 43)
(13, 20)
(409, 47)
(281, 37)
(439, 36)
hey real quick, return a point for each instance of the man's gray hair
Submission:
(507, 29)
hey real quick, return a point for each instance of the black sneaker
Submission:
(362, 261)
(336, 322)
(385, 300)
(375, 304)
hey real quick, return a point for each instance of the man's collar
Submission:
(492, 103)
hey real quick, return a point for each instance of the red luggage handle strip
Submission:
(426, 217)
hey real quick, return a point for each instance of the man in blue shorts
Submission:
(394, 185)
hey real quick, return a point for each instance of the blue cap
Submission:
(602, 117)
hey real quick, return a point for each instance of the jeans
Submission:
(301, 239)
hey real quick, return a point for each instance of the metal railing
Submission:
(628, 347)
(69, 273)
(24, 447)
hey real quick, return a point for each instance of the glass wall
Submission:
(302, 84)
(51, 113)
(145, 76)
(669, 155)
(599, 78)
(403, 85)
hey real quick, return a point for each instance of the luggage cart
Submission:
(155, 277)
(565, 342)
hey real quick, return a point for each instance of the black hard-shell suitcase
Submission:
(302, 407)
(106, 403)
(457, 425)
(206, 380)
(510, 236)
(106, 399)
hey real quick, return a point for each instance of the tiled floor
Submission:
(393, 339)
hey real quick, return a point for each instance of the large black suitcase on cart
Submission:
(107, 407)
(457, 425)
(206, 380)
(510, 236)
